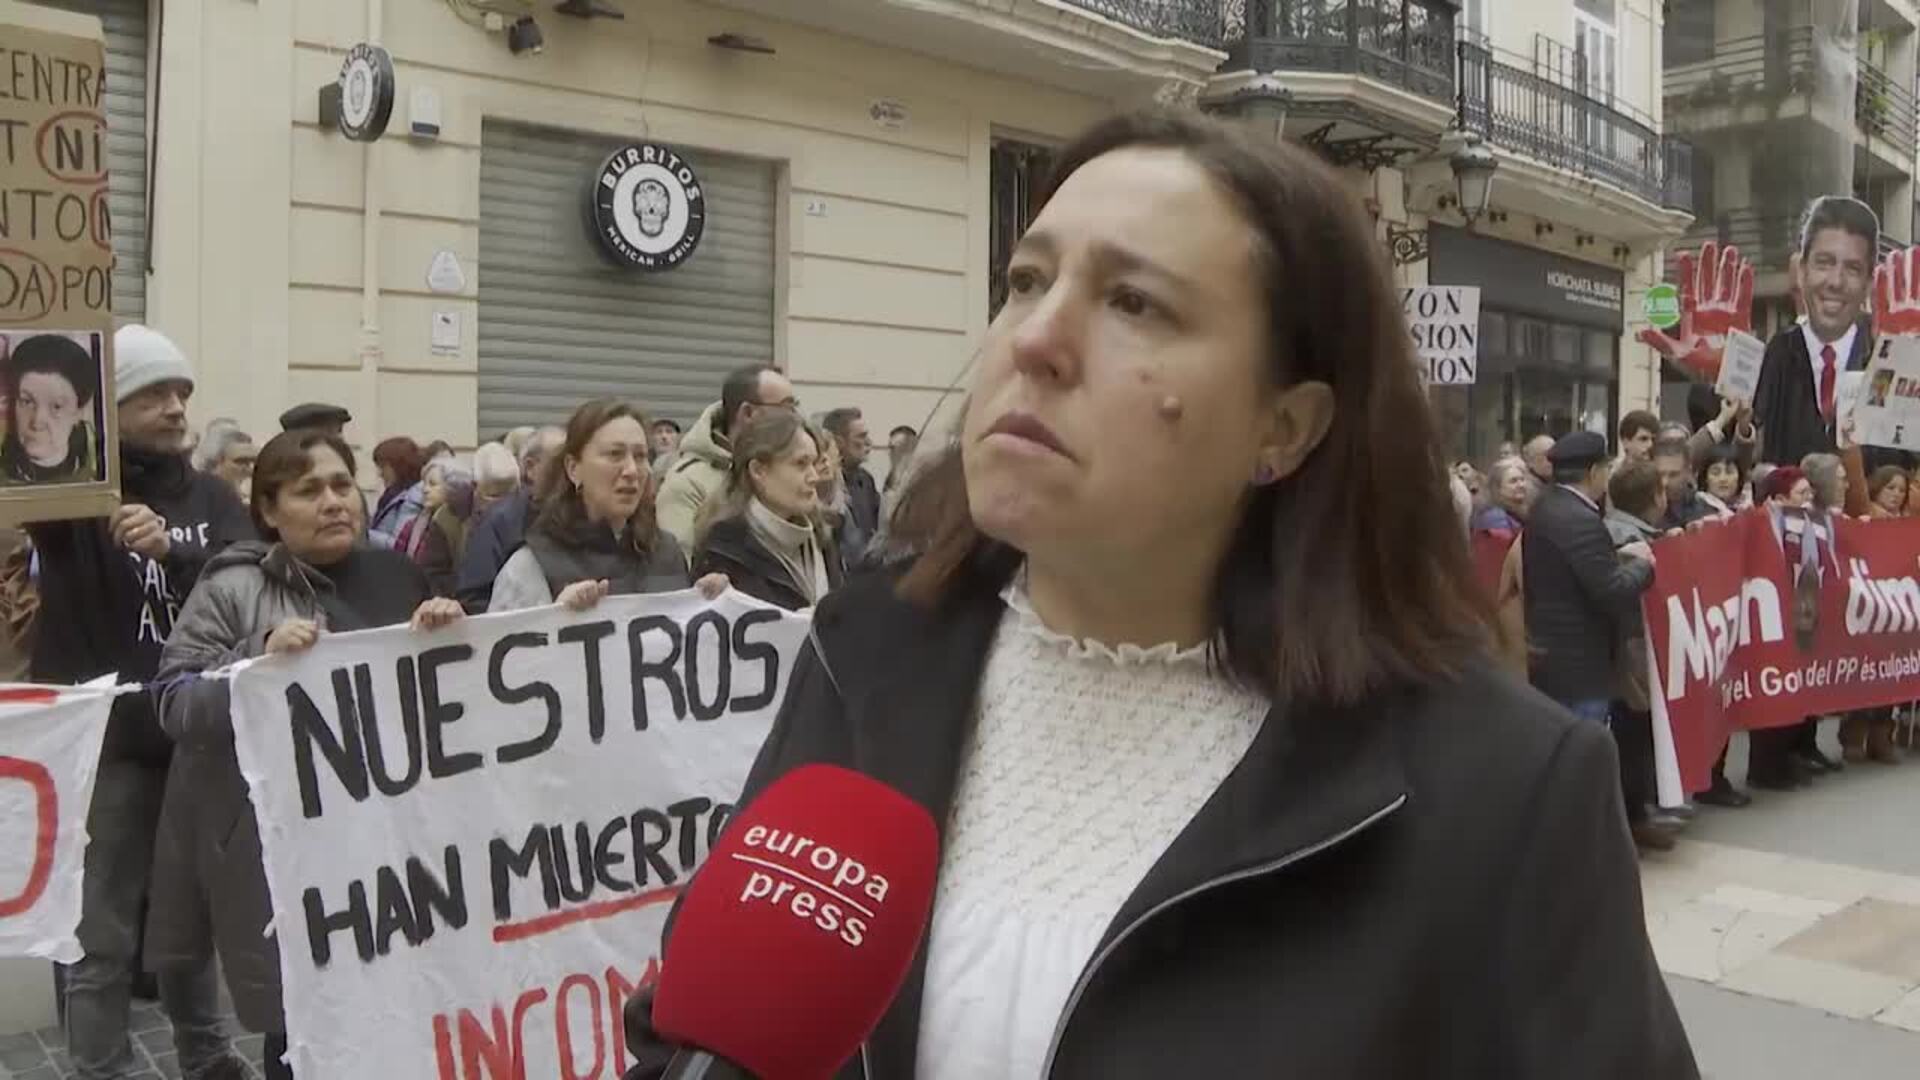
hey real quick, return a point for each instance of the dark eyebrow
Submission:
(1108, 257)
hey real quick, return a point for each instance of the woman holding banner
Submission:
(1194, 673)
(767, 535)
(309, 578)
(595, 533)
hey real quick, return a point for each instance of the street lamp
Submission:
(1473, 168)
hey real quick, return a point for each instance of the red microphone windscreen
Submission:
(795, 936)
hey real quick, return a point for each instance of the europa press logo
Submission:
(811, 881)
(646, 207)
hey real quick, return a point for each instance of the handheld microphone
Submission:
(797, 933)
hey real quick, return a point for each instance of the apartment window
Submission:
(1016, 175)
(1597, 42)
(1477, 27)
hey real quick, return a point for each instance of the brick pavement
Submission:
(42, 1055)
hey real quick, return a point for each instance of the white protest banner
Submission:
(49, 756)
(1740, 365)
(1886, 405)
(472, 837)
(1444, 321)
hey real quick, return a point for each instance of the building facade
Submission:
(1587, 192)
(1785, 102)
(864, 167)
(443, 281)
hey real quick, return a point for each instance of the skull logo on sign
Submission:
(650, 206)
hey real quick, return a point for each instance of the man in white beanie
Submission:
(109, 589)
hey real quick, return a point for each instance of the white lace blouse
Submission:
(1083, 766)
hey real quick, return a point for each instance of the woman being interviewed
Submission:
(309, 577)
(767, 536)
(594, 533)
(1193, 673)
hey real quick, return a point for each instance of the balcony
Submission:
(1522, 107)
(1405, 44)
(1763, 78)
(1196, 21)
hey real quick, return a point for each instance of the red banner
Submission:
(1728, 652)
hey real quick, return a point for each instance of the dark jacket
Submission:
(862, 522)
(731, 548)
(1578, 594)
(105, 609)
(1785, 407)
(492, 538)
(1436, 884)
(209, 888)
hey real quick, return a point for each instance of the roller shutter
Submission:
(125, 23)
(558, 325)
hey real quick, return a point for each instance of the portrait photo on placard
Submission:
(51, 412)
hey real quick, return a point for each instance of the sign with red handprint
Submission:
(1896, 293)
(1716, 297)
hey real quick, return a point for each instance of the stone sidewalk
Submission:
(1839, 939)
(42, 1055)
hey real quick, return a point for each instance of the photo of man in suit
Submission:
(1797, 404)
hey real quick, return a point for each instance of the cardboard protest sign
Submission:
(1886, 405)
(57, 442)
(1444, 321)
(49, 755)
(472, 837)
(1728, 655)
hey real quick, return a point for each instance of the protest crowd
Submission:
(232, 544)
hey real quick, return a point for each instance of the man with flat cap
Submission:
(331, 419)
(1579, 592)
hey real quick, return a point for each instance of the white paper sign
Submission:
(1886, 403)
(446, 332)
(1444, 321)
(49, 755)
(1740, 365)
(445, 274)
(479, 867)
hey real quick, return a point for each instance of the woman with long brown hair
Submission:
(1193, 672)
(594, 532)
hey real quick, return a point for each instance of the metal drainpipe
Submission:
(370, 350)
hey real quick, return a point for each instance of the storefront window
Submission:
(1536, 377)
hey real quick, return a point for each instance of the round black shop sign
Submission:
(646, 208)
(366, 93)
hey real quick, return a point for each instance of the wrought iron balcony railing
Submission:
(1563, 125)
(1403, 43)
(1768, 69)
(1197, 21)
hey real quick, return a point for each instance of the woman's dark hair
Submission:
(1719, 454)
(53, 354)
(1358, 555)
(403, 456)
(1882, 476)
(1638, 421)
(284, 460)
(562, 514)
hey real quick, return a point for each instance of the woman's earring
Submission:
(1264, 475)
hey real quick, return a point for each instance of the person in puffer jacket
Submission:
(309, 578)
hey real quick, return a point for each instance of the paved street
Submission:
(1790, 931)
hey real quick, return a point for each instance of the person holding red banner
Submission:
(1778, 758)
(1578, 594)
